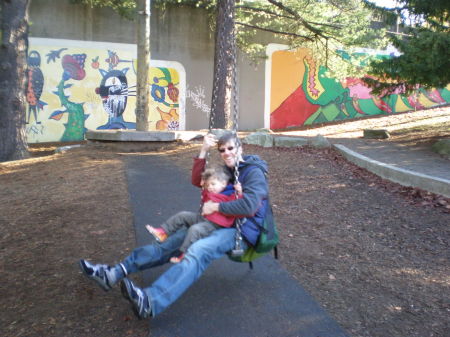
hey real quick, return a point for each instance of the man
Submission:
(176, 280)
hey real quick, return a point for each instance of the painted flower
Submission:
(95, 64)
(73, 66)
(169, 120)
(158, 93)
(173, 92)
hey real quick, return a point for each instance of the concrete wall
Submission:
(180, 34)
(298, 93)
(76, 85)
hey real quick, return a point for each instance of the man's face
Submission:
(229, 153)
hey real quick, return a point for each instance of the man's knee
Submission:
(217, 243)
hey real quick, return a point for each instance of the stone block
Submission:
(264, 130)
(259, 138)
(283, 141)
(442, 147)
(376, 133)
(319, 141)
(141, 136)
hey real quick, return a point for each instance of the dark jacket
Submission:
(255, 188)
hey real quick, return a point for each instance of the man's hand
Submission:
(238, 188)
(208, 141)
(210, 207)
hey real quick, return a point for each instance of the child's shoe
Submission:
(177, 259)
(158, 233)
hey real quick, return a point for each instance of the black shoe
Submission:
(99, 273)
(137, 297)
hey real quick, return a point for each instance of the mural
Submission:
(82, 85)
(301, 94)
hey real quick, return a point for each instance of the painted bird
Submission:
(35, 83)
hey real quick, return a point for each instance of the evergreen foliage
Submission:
(328, 27)
(324, 26)
(424, 48)
(125, 8)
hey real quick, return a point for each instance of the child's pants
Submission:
(198, 227)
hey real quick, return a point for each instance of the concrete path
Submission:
(229, 299)
(409, 166)
(417, 167)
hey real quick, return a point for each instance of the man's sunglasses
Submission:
(229, 148)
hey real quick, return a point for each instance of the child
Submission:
(215, 187)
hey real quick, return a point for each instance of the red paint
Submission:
(294, 111)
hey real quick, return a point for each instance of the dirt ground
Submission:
(373, 253)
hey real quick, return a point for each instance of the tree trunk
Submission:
(143, 66)
(13, 55)
(224, 67)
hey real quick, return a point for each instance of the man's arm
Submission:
(255, 189)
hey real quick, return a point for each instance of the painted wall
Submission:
(298, 93)
(272, 94)
(77, 85)
(181, 35)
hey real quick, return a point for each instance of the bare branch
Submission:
(254, 9)
(326, 24)
(275, 31)
(295, 14)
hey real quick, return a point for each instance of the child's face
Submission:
(215, 185)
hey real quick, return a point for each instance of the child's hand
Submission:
(238, 188)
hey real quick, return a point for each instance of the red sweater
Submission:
(216, 217)
(197, 170)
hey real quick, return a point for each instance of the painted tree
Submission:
(13, 53)
(424, 47)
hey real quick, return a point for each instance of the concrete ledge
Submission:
(142, 136)
(401, 176)
(284, 141)
(259, 138)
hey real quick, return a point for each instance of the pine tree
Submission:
(424, 47)
(13, 53)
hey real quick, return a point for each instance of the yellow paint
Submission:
(400, 106)
(287, 75)
(425, 101)
(314, 67)
(157, 110)
(84, 91)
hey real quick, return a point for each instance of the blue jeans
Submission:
(177, 279)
